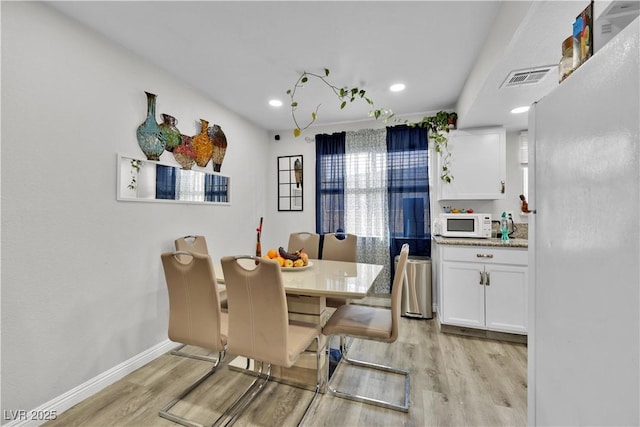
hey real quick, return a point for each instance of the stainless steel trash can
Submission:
(416, 292)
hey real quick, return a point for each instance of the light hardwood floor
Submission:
(455, 381)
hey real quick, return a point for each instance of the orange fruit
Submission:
(272, 253)
(280, 260)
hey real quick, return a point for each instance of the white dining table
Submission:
(323, 278)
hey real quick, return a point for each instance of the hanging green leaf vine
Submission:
(345, 95)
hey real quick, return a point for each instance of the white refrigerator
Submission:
(584, 302)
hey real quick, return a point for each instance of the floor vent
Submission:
(526, 77)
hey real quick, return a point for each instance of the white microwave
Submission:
(476, 225)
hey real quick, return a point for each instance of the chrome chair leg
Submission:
(318, 379)
(178, 352)
(164, 412)
(404, 407)
(233, 411)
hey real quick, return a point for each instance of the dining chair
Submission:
(309, 242)
(339, 247)
(192, 244)
(195, 317)
(370, 323)
(259, 326)
(196, 243)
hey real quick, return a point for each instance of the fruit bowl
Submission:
(304, 267)
(293, 261)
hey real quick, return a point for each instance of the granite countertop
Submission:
(466, 241)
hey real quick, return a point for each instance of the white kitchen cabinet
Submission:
(484, 288)
(478, 165)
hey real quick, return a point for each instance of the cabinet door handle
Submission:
(484, 255)
(481, 278)
(502, 187)
(488, 279)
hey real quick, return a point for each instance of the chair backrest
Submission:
(194, 305)
(336, 249)
(396, 291)
(309, 242)
(258, 312)
(192, 244)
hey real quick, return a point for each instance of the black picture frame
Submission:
(290, 183)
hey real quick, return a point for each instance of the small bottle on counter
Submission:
(504, 229)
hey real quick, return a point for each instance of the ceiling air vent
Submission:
(526, 77)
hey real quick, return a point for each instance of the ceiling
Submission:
(451, 55)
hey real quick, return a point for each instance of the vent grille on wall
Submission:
(526, 77)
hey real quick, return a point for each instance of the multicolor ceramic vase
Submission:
(202, 145)
(219, 141)
(150, 139)
(170, 132)
(184, 153)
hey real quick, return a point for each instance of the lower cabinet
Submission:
(484, 287)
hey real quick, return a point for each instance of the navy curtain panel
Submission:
(330, 153)
(165, 182)
(408, 191)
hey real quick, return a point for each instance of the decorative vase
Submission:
(150, 139)
(202, 145)
(184, 153)
(219, 141)
(170, 132)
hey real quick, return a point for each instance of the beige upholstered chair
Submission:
(195, 317)
(335, 249)
(259, 326)
(310, 242)
(192, 244)
(197, 244)
(371, 323)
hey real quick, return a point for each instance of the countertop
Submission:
(459, 241)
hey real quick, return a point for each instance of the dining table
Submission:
(307, 289)
(323, 278)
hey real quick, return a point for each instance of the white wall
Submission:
(82, 284)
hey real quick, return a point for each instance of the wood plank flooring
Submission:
(455, 381)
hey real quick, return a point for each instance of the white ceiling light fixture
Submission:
(275, 103)
(398, 87)
(520, 110)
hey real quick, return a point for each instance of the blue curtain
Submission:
(330, 151)
(408, 185)
(165, 182)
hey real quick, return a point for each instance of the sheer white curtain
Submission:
(366, 202)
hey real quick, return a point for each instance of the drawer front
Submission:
(486, 255)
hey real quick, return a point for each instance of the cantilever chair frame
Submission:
(404, 407)
(164, 411)
(235, 410)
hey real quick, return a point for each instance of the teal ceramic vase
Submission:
(150, 138)
(170, 132)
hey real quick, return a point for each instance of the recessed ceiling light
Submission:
(397, 87)
(519, 110)
(275, 103)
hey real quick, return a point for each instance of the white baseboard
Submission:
(58, 405)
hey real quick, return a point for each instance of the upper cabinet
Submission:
(478, 165)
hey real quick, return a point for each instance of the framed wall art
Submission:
(290, 188)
